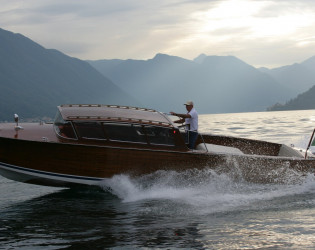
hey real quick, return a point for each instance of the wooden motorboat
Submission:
(89, 143)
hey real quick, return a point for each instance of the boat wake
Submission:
(204, 191)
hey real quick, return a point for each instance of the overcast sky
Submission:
(267, 33)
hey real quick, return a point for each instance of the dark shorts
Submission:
(192, 135)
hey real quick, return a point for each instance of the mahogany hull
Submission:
(87, 164)
(65, 164)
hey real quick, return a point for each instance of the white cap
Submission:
(189, 103)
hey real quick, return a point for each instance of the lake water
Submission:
(191, 210)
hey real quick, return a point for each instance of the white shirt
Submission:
(193, 121)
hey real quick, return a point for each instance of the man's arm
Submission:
(181, 115)
(180, 121)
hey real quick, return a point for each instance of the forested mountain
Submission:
(305, 100)
(301, 79)
(34, 80)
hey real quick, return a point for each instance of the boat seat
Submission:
(218, 148)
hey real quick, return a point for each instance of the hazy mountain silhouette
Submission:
(305, 100)
(34, 80)
(217, 84)
(298, 77)
(199, 59)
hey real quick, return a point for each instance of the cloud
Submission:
(98, 29)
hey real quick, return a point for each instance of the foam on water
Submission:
(203, 191)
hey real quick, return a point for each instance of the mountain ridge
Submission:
(34, 80)
(303, 101)
(208, 81)
(299, 77)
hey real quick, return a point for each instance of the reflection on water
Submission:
(197, 209)
(285, 127)
(165, 210)
(89, 220)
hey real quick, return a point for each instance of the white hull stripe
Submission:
(38, 172)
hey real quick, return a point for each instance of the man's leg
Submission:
(192, 139)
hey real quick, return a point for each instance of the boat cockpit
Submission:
(123, 126)
(113, 124)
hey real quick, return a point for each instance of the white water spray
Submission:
(202, 191)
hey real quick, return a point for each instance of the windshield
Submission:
(63, 128)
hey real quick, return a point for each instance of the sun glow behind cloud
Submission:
(260, 32)
(234, 26)
(306, 41)
(235, 16)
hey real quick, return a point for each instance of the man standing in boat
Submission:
(191, 122)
